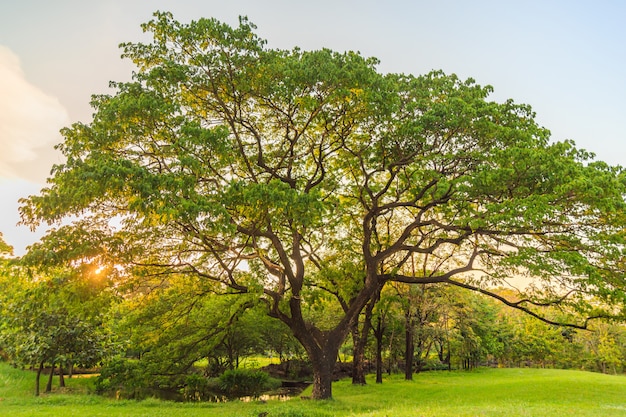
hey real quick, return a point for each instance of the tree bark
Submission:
(49, 384)
(409, 346)
(37, 378)
(378, 334)
(323, 379)
(358, 357)
(61, 378)
(322, 346)
(360, 342)
(322, 350)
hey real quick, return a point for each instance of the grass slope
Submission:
(486, 392)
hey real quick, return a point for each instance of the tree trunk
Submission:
(360, 342)
(322, 350)
(358, 358)
(61, 378)
(409, 346)
(231, 355)
(378, 333)
(322, 380)
(37, 378)
(322, 346)
(418, 356)
(393, 358)
(49, 384)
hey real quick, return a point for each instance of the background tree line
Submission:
(170, 336)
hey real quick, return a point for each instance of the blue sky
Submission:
(567, 59)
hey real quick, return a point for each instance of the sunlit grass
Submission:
(486, 392)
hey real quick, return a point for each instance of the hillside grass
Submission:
(484, 392)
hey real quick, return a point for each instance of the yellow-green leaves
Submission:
(5, 248)
(276, 204)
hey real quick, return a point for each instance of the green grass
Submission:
(486, 392)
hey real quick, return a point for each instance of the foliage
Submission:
(242, 382)
(54, 306)
(458, 329)
(122, 377)
(197, 388)
(169, 330)
(174, 326)
(129, 378)
(5, 248)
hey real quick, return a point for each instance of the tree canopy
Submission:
(299, 175)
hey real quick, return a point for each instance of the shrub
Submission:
(117, 376)
(243, 382)
(199, 388)
(131, 379)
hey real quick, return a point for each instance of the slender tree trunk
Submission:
(417, 368)
(49, 384)
(360, 342)
(378, 333)
(447, 342)
(439, 350)
(37, 378)
(393, 358)
(409, 346)
(231, 356)
(61, 378)
(358, 357)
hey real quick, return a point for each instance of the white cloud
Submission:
(29, 123)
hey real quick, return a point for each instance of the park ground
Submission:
(482, 392)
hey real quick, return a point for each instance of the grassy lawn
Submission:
(486, 392)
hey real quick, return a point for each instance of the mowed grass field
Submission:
(483, 392)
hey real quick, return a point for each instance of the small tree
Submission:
(54, 305)
(607, 347)
(39, 333)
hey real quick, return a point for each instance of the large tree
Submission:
(302, 175)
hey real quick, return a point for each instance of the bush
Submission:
(199, 388)
(245, 382)
(131, 379)
(117, 376)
